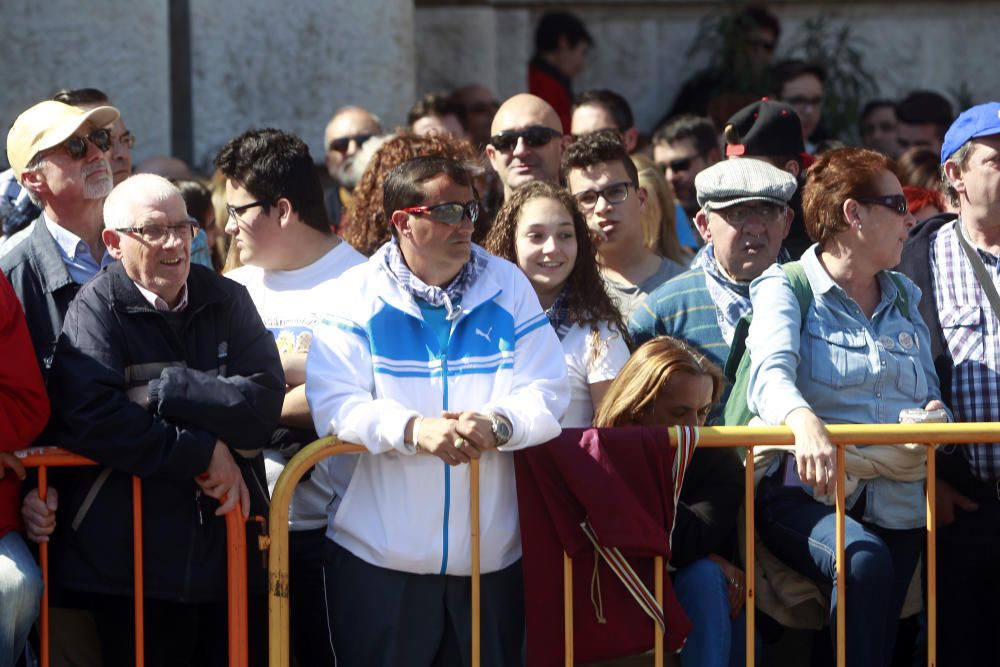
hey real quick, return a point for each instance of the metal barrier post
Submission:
(840, 564)
(45, 457)
(750, 565)
(277, 541)
(568, 609)
(931, 557)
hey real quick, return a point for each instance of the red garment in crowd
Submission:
(24, 405)
(546, 82)
(622, 481)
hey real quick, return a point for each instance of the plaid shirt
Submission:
(972, 333)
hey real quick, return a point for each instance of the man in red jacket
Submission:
(24, 409)
(561, 46)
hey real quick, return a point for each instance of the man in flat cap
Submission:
(744, 217)
(60, 155)
(772, 131)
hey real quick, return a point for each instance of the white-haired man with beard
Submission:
(60, 155)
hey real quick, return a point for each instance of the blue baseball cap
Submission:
(981, 120)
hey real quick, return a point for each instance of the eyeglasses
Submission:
(76, 147)
(896, 203)
(615, 193)
(341, 144)
(157, 234)
(762, 44)
(449, 213)
(535, 136)
(681, 164)
(126, 140)
(802, 101)
(740, 214)
(237, 211)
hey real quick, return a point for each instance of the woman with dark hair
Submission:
(860, 354)
(667, 383)
(540, 228)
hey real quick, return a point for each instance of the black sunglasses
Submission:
(76, 147)
(680, 164)
(535, 136)
(449, 213)
(341, 144)
(896, 203)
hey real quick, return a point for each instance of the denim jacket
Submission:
(846, 368)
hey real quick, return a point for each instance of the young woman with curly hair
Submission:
(540, 228)
(365, 226)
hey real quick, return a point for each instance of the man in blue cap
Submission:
(946, 256)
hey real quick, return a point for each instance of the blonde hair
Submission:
(659, 233)
(646, 373)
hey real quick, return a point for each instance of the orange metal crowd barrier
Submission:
(44, 458)
(727, 436)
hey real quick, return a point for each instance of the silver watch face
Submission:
(500, 430)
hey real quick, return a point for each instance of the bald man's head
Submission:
(526, 143)
(349, 128)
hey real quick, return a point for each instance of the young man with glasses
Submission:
(604, 180)
(744, 217)
(291, 261)
(526, 143)
(164, 371)
(441, 355)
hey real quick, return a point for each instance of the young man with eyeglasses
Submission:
(526, 143)
(163, 371)
(291, 261)
(440, 355)
(744, 217)
(604, 180)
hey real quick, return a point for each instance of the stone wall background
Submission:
(257, 63)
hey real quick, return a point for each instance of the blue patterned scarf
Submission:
(392, 261)
(558, 315)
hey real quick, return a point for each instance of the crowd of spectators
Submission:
(476, 283)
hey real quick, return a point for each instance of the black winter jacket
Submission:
(147, 393)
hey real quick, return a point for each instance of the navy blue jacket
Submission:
(147, 393)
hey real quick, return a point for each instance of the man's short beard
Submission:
(99, 188)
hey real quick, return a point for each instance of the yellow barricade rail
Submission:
(44, 458)
(715, 436)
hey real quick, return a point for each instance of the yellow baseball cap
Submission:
(48, 124)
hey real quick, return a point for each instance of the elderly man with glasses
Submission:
(163, 371)
(441, 355)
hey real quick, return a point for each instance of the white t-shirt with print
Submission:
(585, 368)
(288, 304)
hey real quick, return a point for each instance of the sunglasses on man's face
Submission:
(76, 147)
(341, 144)
(895, 203)
(534, 137)
(449, 213)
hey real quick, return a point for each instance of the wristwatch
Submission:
(500, 427)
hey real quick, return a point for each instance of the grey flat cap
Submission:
(739, 180)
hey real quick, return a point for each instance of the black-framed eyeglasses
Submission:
(237, 211)
(341, 144)
(895, 203)
(615, 193)
(76, 146)
(535, 136)
(157, 234)
(449, 213)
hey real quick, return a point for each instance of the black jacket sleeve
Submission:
(242, 404)
(710, 501)
(93, 414)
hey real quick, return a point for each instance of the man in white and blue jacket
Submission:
(443, 355)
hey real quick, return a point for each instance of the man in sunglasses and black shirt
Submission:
(527, 142)
(345, 134)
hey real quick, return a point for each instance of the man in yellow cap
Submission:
(59, 154)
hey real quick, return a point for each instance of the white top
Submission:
(585, 366)
(288, 302)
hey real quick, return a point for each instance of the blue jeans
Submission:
(802, 533)
(716, 640)
(20, 596)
